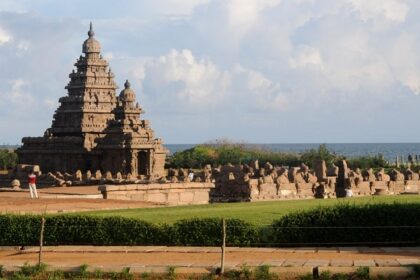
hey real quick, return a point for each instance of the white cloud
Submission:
(391, 10)
(179, 74)
(259, 92)
(404, 61)
(244, 13)
(4, 36)
(181, 7)
(305, 56)
(179, 80)
(17, 94)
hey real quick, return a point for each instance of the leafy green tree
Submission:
(322, 153)
(8, 159)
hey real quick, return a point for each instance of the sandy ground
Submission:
(184, 256)
(69, 199)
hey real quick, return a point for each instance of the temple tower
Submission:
(93, 129)
(88, 107)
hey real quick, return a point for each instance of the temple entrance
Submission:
(143, 163)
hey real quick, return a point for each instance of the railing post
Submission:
(222, 261)
(41, 240)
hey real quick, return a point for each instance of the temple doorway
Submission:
(143, 163)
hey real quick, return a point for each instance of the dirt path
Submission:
(193, 256)
(55, 200)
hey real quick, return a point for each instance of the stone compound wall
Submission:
(255, 183)
(166, 193)
(233, 183)
(252, 183)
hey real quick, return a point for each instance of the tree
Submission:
(8, 159)
(322, 153)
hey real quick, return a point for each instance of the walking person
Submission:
(32, 184)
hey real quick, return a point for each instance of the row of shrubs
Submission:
(376, 224)
(223, 153)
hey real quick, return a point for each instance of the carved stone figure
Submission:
(310, 177)
(411, 175)
(355, 177)
(15, 184)
(283, 178)
(78, 175)
(369, 176)
(98, 175)
(88, 175)
(396, 175)
(108, 175)
(382, 176)
(333, 170)
(268, 166)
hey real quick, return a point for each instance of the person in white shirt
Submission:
(191, 176)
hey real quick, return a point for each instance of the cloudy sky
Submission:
(261, 71)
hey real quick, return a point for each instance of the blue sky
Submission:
(263, 71)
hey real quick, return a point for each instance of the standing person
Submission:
(191, 176)
(32, 184)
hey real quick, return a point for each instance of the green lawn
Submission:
(258, 213)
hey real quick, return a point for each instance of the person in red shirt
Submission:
(32, 184)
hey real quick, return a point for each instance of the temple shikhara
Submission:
(93, 128)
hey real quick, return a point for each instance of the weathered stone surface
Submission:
(173, 194)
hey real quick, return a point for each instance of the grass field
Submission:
(258, 213)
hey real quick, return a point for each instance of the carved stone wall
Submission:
(170, 194)
(245, 183)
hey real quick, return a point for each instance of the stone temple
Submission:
(93, 128)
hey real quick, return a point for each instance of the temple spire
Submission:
(127, 84)
(91, 33)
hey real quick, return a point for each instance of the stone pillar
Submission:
(342, 180)
(321, 170)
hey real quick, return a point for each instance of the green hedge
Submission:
(235, 153)
(371, 224)
(88, 230)
(208, 232)
(351, 224)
